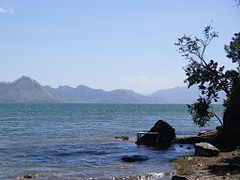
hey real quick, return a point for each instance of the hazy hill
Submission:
(177, 95)
(24, 90)
(84, 94)
(181, 95)
(79, 94)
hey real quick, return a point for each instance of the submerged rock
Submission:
(39, 176)
(123, 138)
(28, 176)
(206, 149)
(134, 158)
(166, 134)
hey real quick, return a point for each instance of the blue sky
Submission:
(107, 44)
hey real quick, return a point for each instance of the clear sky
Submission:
(107, 44)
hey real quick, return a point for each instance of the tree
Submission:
(233, 50)
(210, 78)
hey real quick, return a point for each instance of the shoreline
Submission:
(224, 166)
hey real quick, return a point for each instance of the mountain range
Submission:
(28, 90)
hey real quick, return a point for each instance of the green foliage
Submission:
(210, 78)
(194, 48)
(186, 156)
(201, 112)
(233, 50)
(207, 74)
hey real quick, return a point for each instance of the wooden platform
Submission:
(140, 134)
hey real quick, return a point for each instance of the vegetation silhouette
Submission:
(207, 74)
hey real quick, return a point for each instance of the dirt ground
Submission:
(224, 166)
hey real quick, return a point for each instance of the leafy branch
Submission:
(210, 78)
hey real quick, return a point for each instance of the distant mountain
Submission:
(181, 95)
(24, 90)
(79, 94)
(84, 94)
(27, 90)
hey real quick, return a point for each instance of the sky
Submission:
(108, 44)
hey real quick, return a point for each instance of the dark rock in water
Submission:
(39, 176)
(206, 149)
(166, 134)
(181, 145)
(28, 176)
(178, 178)
(188, 148)
(123, 138)
(134, 158)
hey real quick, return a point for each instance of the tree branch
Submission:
(217, 116)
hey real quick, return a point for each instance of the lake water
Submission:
(76, 141)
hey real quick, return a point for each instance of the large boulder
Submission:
(206, 149)
(166, 134)
(122, 138)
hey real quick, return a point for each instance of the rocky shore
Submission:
(203, 136)
(224, 166)
(208, 163)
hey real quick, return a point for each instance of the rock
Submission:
(203, 136)
(234, 166)
(202, 133)
(181, 145)
(206, 149)
(165, 136)
(176, 177)
(39, 176)
(123, 138)
(188, 148)
(28, 176)
(134, 158)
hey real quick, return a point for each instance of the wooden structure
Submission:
(140, 134)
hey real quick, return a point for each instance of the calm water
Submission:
(76, 141)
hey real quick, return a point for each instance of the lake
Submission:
(76, 141)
